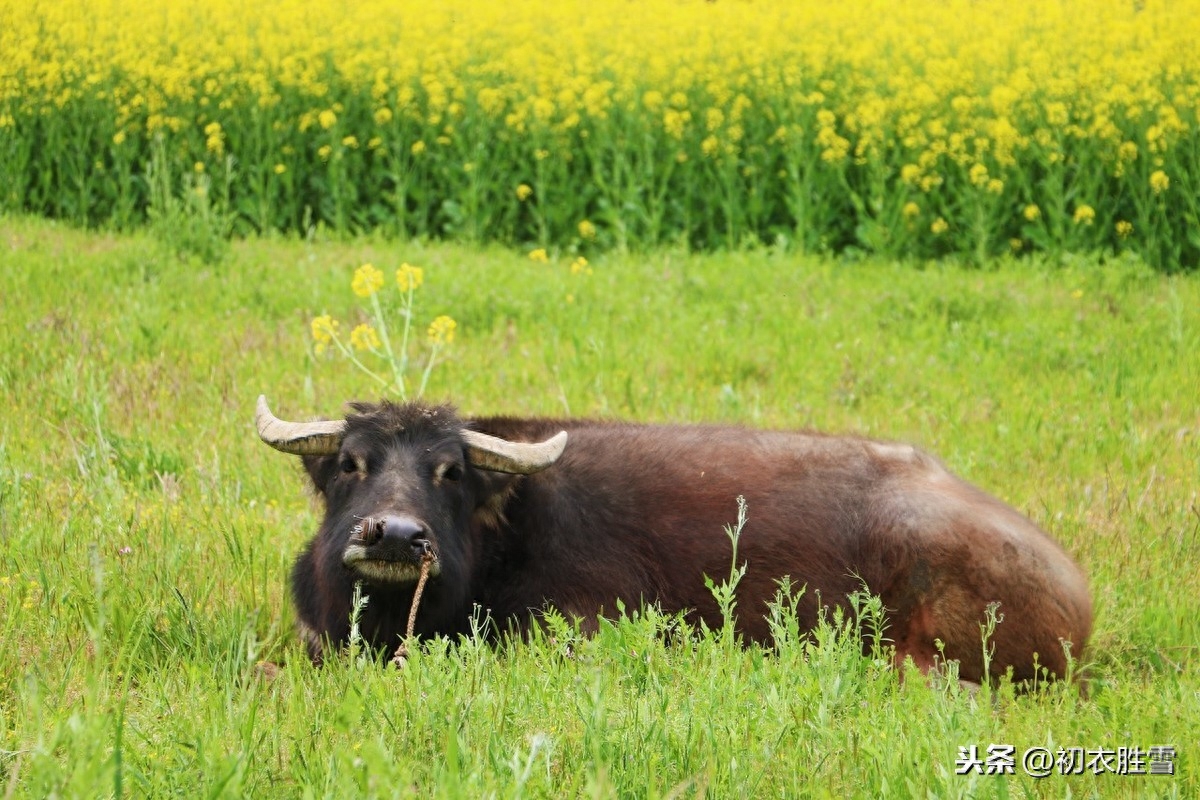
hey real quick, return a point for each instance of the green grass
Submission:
(146, 534)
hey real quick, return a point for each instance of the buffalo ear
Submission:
(320, 469)
(493, 491)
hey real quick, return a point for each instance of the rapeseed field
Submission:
(970, 128)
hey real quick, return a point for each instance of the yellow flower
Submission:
(1032, 213)
(367, 280)
(939, 226)
(1124, 228)
(118, 137)
(995, 186)
(539, 255)
(524, 191)
(441, 330)
(383, 116)
(198, 167)
(1159, 182)
(978, 175)
(580, 266)
(327, 119)
(364, 337)
(350, 141)
(409, 278)
(280, 169)
(1085, 215)
(324, 151)
(911, 209)
(587, 229)
(324, 329)
(418, 147)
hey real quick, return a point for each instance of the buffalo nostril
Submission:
(403, 531)
(367, 531)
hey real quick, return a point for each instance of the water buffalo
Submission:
(521, 514)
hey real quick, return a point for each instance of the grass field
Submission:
(146, 534)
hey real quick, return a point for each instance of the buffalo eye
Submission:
(448, 472)
(348, 465)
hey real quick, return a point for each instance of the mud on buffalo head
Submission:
(397, 481)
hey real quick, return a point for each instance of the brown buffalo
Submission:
(524, 514)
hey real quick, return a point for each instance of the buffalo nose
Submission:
(402, 532)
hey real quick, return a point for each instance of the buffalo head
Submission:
(398, 481)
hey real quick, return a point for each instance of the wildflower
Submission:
(418, 147)
(1032, 213)
(1016, 245)
(364, 337)
(383, 116)
(524, 192)
(939, 226)
(280, 169)
(1085, 215)
(350, 141)
(539, 255)
(580, 267)
(327, 119)
(1159, 182)
(995, 186)
(441, 330)
(367, 280)
(118, 137)
(324, 151)
(709, 146)
(198, 167)
(587, 229)
(324, 328)
(1124, 228)
(1077, 294)
(409, 278)
(909, 173)
(911, 210)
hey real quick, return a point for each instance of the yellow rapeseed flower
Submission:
(939, 226)
(580, 267)
(324, 329)
(350, 141)
(409, 278)
(280, 169)
(1124, 228)
(327, 119)
(524, 192)
(1085, 215)
(1032, 213)
(367, 280)
(417, 148)
(539, 255)
(441, 330)
(911, 209)
(587, 229)
(364, 337)
(1159, 182)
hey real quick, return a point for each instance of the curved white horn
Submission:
(519, 458)
(298, 438)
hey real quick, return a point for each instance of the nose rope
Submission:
(400, 658)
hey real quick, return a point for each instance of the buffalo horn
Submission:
(520, 458)
(298, 438)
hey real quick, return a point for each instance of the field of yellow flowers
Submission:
(920, 129)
